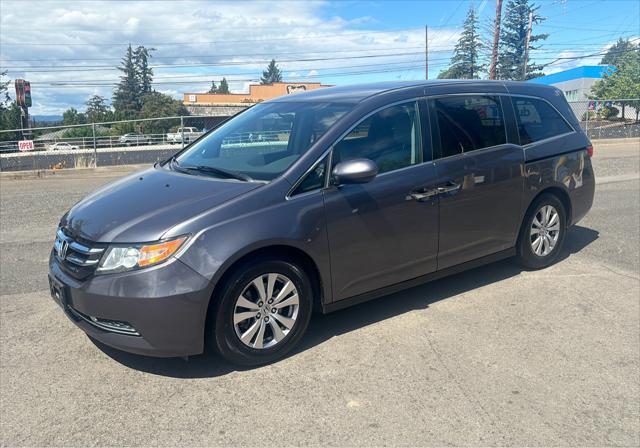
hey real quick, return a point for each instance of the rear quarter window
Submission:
(538, 120)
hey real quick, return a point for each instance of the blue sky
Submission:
(69, 49)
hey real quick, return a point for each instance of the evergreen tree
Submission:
(224, 86)
(213, 88)
(141, 57)
(513, 36)
(617, 51)
(271, 74)
(465, 63)
(126, 98)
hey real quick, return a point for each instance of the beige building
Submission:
(257, 93)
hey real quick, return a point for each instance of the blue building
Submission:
(576, 82)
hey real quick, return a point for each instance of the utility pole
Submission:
(426, 52)
(526, 47)
(496, 40)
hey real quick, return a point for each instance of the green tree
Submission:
(513, 36)
(271, 74)
(141, 57)
(10, 113)
(126, 97)
(98, 110)
(224, 86)
(622, 82)
(213, 88)
(617, 51)
(465, 63)
(156, 105)
(72, 116)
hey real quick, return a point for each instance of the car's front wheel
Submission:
(263, 311)
(542, 233)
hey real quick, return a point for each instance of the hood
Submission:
(143, 206)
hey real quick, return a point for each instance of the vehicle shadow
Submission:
(325, 327)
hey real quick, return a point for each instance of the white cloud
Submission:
(78, 38)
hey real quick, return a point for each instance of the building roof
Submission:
(585, 71)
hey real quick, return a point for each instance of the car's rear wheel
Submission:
(542, 234)
(263, 311)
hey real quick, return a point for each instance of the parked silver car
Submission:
(135, 139)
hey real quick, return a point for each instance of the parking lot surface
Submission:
(493, 356)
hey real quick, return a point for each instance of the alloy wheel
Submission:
(266, 311)
(545, 230)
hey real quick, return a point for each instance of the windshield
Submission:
(264, 141)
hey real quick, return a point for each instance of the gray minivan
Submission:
(318, 201)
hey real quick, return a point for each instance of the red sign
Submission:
(26, 145)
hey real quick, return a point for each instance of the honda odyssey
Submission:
(318, 201)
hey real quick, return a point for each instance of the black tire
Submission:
(225, 339)
(526, 256)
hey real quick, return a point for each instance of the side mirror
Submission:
(354, 171)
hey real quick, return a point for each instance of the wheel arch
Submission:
(272, 251)
(555, 190)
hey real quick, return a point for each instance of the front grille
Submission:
(76, 256)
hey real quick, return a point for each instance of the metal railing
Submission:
(153, 139)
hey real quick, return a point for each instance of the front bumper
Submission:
(166, 306)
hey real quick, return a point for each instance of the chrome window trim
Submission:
(547, 140)
(416, 99)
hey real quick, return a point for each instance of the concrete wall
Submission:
(82, 159)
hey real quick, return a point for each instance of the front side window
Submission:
(264, 141)
(468, 123)
(314, 179)
(538, 120)
(390, 138)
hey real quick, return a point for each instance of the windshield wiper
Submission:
(217, 171)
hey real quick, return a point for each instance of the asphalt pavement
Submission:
(493, 356)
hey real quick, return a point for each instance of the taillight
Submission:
(590, 150)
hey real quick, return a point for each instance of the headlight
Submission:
(124, 258)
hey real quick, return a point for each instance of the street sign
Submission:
(26, 145)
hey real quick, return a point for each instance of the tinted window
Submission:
(390, 137)
(538, 120)
(265, 140)
(314, 180)
(469, 122)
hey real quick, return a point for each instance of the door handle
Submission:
(448, 187)
(423, 194)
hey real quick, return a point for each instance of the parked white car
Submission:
(61, 146)
(190, 134)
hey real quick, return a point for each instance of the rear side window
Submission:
(538, 120)
(468, 123)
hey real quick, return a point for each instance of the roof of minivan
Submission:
(358, 92)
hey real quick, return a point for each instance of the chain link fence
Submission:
(603, 119)
(151, 140)
(100, 144)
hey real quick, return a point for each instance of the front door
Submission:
(385, 231)
(480, 177)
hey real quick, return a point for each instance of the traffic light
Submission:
(23, 93)
(27, 94)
